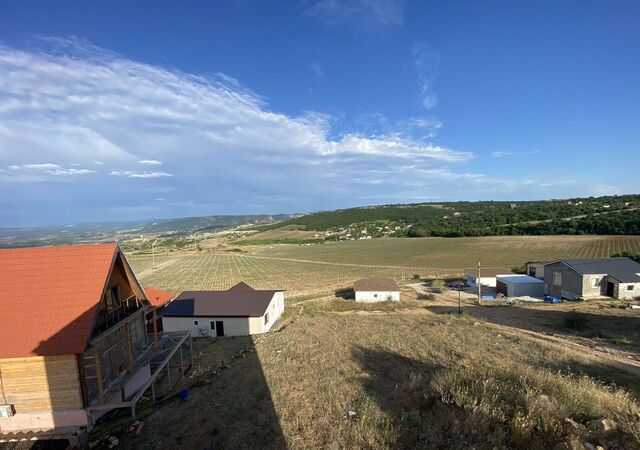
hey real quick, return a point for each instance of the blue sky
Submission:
(129, 110)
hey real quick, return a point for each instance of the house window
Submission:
(595, 282)
(557, 278)
(212, 324)
(375, 295)
(195, 322)
(266, 318)
(532, 271)
(629, 287)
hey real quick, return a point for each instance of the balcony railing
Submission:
(107, 319)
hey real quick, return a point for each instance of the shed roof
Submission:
(49, 297)
(239, 301)
(375, 284)
(623, 269)
(487, 272)
(517, 278)
(158, 297)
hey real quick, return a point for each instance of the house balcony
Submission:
(109, 318)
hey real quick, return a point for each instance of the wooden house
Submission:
(73, 340)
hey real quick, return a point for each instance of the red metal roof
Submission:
(48, 297)
(158, 297)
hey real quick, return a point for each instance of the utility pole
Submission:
(479, 285)
(153, 253)
(459, 304)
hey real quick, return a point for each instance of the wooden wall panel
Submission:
(41, 383)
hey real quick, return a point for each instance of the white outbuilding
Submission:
(487, 276)
(238, 311)
(519, 286)
(376, 290)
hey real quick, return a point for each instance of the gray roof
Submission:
(487, 272)
(239, 301)
(517, 278)
(625, 270)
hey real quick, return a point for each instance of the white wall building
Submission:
(536, 269)
(487, 276)
(238, 311)
(376, 290)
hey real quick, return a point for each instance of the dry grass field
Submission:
(414, 376)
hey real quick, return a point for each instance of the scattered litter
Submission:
(550, 299)
(351, 414)
(487, 297)
(635, 306)
(113, 441)
(184, 395)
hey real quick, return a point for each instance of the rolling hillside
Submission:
(602, 215)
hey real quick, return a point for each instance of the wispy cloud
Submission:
(499, 154)
(383, 13)
(134, 174)
(427, 64)
(49, 169)
(317, 70)
(221, 147)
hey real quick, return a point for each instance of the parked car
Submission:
(457, 285)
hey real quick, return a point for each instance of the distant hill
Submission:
(592, 215)
(110, 231)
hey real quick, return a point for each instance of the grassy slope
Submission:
(414, 379)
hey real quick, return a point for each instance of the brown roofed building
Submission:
(239, 311)
(158, 299)
(376, 289)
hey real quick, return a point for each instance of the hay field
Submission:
(213, 271)
(312, 270)
(459, 253)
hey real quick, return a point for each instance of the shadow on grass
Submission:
(229, 406)
(345, 293)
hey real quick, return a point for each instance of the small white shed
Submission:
(376, 290)
(487, 276)
(519, 285)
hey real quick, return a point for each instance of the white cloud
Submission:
(383, 13)
(150, 162)
(395, 147)
(317, 70)
(134, 174)
(427, 64)
(49, 169)
(500, 154)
